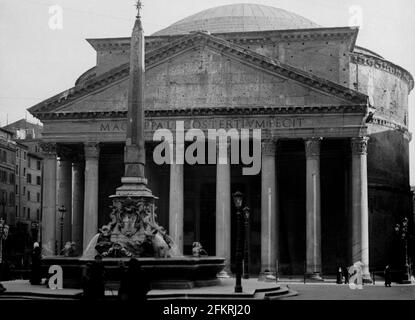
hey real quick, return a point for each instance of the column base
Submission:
(267, 276)
(314, 276)
(223, 275)
(412, 281)
(367, 279)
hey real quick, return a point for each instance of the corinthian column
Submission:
(77, 202)
(313, 215)
(176, 203)
(360, 211)
(91, 192)
(49, 199)
(223, 208)
(64, 192)
(269, 242)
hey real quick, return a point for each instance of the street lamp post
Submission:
(61, 211)
(402, 231)
(246, 243)
(237, 199)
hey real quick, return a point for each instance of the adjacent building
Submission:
(334, 178)
(24, 201)
(29, 176)
(7, 176)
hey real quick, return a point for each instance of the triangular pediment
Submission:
(204, 71)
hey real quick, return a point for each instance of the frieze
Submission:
(359, 145)
(384, 65)
(213, 123)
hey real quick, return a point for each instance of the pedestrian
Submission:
(134, 284)
(35, 274)
(346, 275)
(388, 280)
(339, 276)
(93, 282)
(86, 282)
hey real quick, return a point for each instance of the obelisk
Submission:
(134, 183)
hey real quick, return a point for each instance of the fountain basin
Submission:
(165, 273)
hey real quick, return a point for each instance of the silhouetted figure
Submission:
(346, 275)
(134, 284)
(35, 276)
(93, 282)
(388, 277)
(339, 276)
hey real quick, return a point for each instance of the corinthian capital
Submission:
(91, 150)
(269, 147)
(48, 148)
(312, 147)
(359, 145)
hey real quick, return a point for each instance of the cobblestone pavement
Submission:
(309, 291)
(343, 292)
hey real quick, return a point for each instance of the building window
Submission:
(29, 163)
(28, 195)
(11, 199)
(3, 197)
(29, 178)
(17, 169)
(38, 215)
(25, 155)
(38, 197)
(17, 211)
(24, 190)
(24, 172)
(38, 164)
(28, 213)
(38, 181)
(11, 178)
(24, 211)
(17, 189)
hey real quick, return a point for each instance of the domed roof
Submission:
(238, 18)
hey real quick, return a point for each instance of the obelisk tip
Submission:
(138, 5)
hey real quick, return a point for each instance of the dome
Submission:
(238, 18)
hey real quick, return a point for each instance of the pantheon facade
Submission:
(334, 118)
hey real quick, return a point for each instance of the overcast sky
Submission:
(37, 61)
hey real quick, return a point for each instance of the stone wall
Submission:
(387, 90)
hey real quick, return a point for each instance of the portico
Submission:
(177, 208)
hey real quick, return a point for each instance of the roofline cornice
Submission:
(213, 111)
(383, 64)
(123, 43)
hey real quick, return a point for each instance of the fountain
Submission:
(133, 230)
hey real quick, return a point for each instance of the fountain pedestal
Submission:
(166, 273)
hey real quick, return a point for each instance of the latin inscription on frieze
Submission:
(204, 124)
